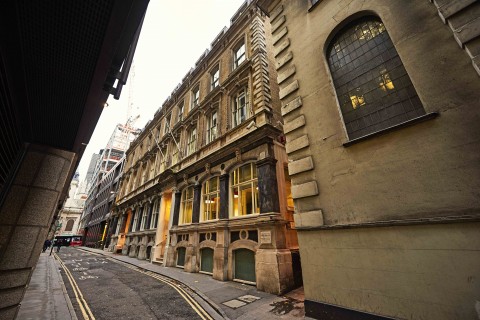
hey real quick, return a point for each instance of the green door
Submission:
(206, 262)
(181, 257)
(244, 265)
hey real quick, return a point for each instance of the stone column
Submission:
(197, 196)
(267, 185)
(224, 196)
(31, 200)
(176, 208)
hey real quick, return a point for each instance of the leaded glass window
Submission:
(373, 88)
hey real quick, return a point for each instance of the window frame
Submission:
(144, 218)
(236, 211)
(379, 104)
(212, 130)
(207, 196)
(180, 110)
(186, 203)
(236, 117)
(191, 141)
(168, 120)
(195, 97)
(215, 82)
(239, 59)
(155, 214)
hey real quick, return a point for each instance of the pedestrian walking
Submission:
(59, 244)
(46, 245)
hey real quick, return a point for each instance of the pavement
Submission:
(46, 296)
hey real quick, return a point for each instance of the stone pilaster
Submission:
(176, 208)
(224, 196)
(267, 185)
(197, 197)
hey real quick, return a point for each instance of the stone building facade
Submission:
(381, 113)
(71, 210)
(205, 185)
(99, 205)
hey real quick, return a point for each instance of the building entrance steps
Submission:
(232, 300)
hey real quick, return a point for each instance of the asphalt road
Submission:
(105, 289)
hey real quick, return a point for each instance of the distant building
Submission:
(100, 205)
(205, 186)
(97, 202)
(381, 111)
(71, 210)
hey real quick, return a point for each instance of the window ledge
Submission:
(407, 123)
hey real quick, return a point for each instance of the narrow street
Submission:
(103, 288)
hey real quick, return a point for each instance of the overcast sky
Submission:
(174, 35)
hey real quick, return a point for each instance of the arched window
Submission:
(187, 205)
(244, 190)
(69, 225)
(211, 199)
(373, 88)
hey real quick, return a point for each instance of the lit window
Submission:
(192, 141)
(187, 205)
(195, 97)
(244, 191)
(214, 77)
(238, 54)
(212, 127)
(240, 107)
(372, 85)
(211, 199)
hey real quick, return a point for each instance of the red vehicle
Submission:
(66, 241)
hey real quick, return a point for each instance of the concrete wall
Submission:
(25, 219)
(408, 272)
(413, 172)
(423, 173)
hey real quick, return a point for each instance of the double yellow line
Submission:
(194, 304)
(86, 312)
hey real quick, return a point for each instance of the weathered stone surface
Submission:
(306, 189)
(301, 165)
(281, 46)
(292, 105)
(285, 74)
(280, 34)
(280, 62)
(308, 219)
(292, 87)
(297, 144)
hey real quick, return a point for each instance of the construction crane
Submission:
(128, 127)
